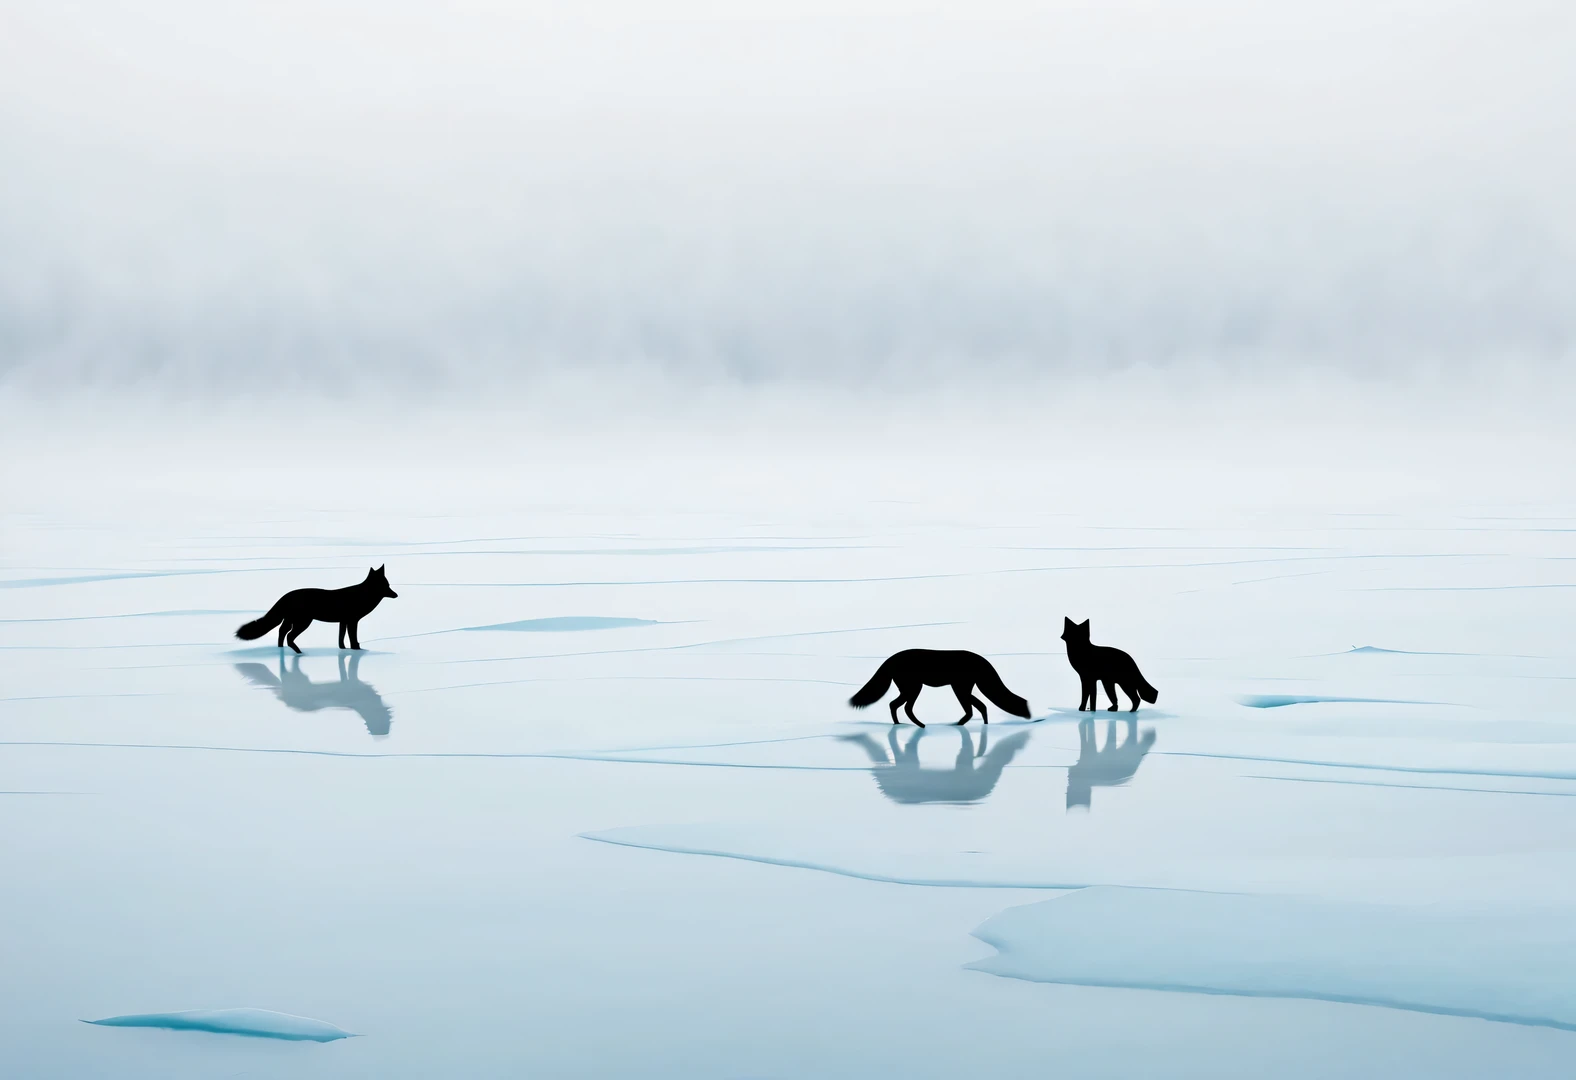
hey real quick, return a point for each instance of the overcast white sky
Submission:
(454, 193)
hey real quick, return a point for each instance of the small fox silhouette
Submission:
(1100, 664)
(296, 610)
(915, 669)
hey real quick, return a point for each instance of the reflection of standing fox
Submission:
(1111, 767)
(297, 690)
(296, 610)
(1101, 664)
(915, 669)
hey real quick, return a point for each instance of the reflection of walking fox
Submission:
(1111, 767)
(972, 777)
(1100, 664)
(296, 610)
(915, 669)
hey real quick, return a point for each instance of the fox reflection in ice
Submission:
(1111, 767)
(292, 687)
(972, 776)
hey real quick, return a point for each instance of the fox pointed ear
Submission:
(383, 568)
(1084, 625)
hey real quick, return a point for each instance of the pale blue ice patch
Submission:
(257, 1023)
(1513, 969)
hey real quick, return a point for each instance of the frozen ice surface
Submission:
(1513, 969)
(672, 850)
(259, 1023)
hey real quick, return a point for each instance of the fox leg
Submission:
(1132, 692)
(1087, 701)
(965, 699)
(295, 632)
(283, 628)
(342, 635)
(355, 640)
(1110, 692)
(910, 693)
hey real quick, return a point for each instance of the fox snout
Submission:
(390, 593)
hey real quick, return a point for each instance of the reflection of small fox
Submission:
(295, 610)
(915, 669)
(1111, 767)
(1101, 664)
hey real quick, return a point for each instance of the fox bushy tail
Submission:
(1147, 692)
(993, 688)
(258, 627)
(874, 690)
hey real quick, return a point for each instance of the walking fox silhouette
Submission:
(1104, 665)
(915, 669)
(296, 610)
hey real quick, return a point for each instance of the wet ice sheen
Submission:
(431, 887)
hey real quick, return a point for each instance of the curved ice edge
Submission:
(1338, 999)
(608, 837)
(256, 1023)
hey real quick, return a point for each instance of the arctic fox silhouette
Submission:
(915, 669)
(1100, 664)
(296, 610)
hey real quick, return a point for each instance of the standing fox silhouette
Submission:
(296, 610)
(915, 669)
(1101, 664)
